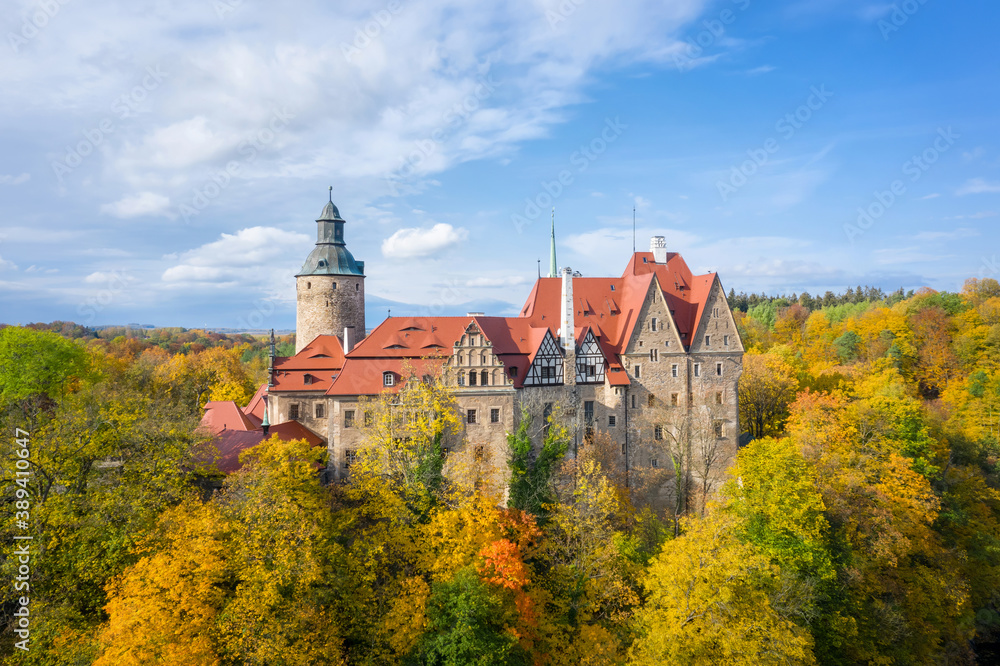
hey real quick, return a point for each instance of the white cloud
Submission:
(262, 257)
(417, 242)
(934, 195)
(978, 186)
(15, 180)
(945, 235)
(496, 281)
(7, 265)
(144, 203)
(763, 69)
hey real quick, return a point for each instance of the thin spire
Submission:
(553, 267)
(331, 194)
(539, 268)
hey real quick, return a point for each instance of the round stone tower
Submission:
(330, 288)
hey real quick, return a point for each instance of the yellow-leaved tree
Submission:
(708, 603)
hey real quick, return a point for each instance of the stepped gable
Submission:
(312, 369)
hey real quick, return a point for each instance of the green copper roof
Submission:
(331, 256)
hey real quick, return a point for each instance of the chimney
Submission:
(658, 246)
(566, 325)
(348, 338)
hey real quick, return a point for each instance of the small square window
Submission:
(349, 418)
(495, 415)
(612, 420)
(718, 369)
(470, 416)
(350, 457)
(388, 379)
(697, 369)
(319, 410)
(293, 411)
(653, 462)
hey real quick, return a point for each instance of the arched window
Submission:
(484, 378)
(334, 285)
(472, 377)
(388, 379)
(482, 359)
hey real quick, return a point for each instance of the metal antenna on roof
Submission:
(539, 269)
(633, 229)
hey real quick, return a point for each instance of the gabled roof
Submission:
(223, 415)
(255, 408)
(685, 293)
(365, 376)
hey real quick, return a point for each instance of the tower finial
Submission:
(331, 194)
(553, 268)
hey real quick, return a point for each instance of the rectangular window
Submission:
(719, 429)
(548, 372)
(718, 369)
(667, 343)
(293, 411)
(472, 377)
(495, 415)
(633, 401)
(591, 370)
(673, 370)
(654, 355)
(623, 448)
(388, 379)
(718, 397)
(350, 457)
(652, 324)
(715, 312)
(612, 420)
(725, 340)
(461, 378)
(658, 433)
(319, 410)
(653, 462)
(470, 416)
(637, 371)
(697, 369)
(708, 340)
(651, 400)
(349, 418)
(369, 419)
(674, 399)
(588, 411)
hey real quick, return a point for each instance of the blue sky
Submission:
(163, 162)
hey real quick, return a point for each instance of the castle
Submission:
(645, 357)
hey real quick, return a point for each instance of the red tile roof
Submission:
(225, 415)
(609, 307)
(232, 443)
(312, 369)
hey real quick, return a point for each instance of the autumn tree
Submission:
(530, 487)
(767, 386)
(708, 603)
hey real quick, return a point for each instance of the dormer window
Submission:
(388, 379)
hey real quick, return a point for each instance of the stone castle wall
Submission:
(326, 304)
